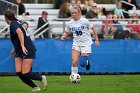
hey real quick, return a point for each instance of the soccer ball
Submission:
(75, 78)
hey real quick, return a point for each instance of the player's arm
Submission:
(21, 39)
(95, 35)
(64, 35)
(66, 32)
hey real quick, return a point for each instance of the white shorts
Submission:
(82, 49)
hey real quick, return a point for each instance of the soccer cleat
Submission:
(88, 65)
(44, 82)
(36, 89)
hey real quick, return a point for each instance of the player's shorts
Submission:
(28, 56)
(82, 49)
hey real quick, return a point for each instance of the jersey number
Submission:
(78, 33)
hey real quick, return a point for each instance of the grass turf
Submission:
(88, 84)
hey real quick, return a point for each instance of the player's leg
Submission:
(84, 58)
(26, 71)
(75, 57)
(18, 66)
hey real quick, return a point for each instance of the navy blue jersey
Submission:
(28, 43)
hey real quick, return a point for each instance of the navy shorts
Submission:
(28, 56)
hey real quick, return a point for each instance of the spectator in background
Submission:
(86, 5)
(81, 6)
(79, 3)
(25, 26)
(116, 29)
(64, 11)
(72, 3)
(21, 7)
(93, 12)
(118, 11)
(107, 24)
(28, 33)
(41, 21)
(134, 27)
(91, 2)
(102, 11)
(68, 4)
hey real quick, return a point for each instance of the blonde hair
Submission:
(76, 7)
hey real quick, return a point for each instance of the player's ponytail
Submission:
(9, 14)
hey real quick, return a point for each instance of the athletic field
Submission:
(88, 84)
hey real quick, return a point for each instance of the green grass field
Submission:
(88, 84)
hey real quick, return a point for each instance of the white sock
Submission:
(74, 70)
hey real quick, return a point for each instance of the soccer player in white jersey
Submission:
(82, 40)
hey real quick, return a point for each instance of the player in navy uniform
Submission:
(24, 52)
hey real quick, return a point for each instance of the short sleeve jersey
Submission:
(15, 40)
(81, 31)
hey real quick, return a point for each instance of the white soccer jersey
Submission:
(81, 31)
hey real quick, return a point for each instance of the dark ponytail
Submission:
(9, 14)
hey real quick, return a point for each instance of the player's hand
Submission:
(97, 43)
(24, 50)
(63, 37)
(12, 54)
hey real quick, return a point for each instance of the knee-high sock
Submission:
(33, 76)
(83, 61)
(27, 81)
(74, 70)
